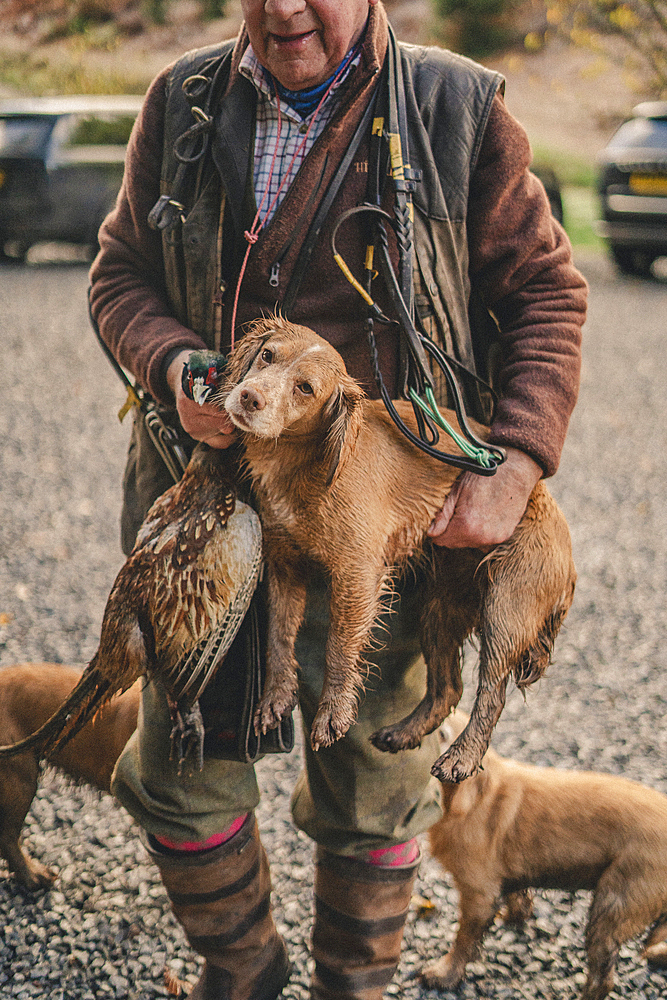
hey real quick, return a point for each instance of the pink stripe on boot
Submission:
(204, 845)
(391, 857)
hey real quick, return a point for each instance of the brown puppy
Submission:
(513, 827)
(338, 485)
(29, 694)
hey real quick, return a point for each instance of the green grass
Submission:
(577, 171)
(578, 177)
(580, 208)
(33, 75)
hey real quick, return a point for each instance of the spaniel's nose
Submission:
(252, 399)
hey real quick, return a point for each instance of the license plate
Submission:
(648, 183)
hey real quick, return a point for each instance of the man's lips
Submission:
(292, 41)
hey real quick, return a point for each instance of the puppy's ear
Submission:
(243, 355)
(343, 415)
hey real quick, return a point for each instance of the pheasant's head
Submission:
(202, 375)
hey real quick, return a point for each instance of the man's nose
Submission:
(284, 9)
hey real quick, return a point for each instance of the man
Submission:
(285, 103)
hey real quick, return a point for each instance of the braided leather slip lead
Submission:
(360, 912)
(221, 898)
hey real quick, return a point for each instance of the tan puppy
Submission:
(29, 694)
(339, 486)
(513, 827)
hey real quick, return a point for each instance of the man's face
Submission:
(301, 42)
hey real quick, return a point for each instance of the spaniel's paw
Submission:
(271, 709)
(330, 724)
(34, 875)
(455, 766)
(394, 738)
(442, 975)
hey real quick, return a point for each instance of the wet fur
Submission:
(29, 694)
(513, 827)
(338, 485)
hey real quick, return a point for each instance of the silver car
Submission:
(632, 186)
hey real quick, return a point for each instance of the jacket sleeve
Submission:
(129, 299)
(521, 265)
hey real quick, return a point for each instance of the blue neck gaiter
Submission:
(304, 102)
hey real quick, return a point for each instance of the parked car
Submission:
(61, 165)
(633, 190)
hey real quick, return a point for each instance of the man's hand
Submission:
(203, 423)
(483, 511)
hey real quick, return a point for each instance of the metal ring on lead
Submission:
(200, 114)
(201, 84)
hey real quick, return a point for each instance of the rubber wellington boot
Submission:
(221, 897)
(360, 911)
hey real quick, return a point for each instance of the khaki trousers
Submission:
(349, 797)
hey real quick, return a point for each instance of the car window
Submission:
(647, 133)
(24, 137)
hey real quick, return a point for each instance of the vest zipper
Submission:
(274, 276)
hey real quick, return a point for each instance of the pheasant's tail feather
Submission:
(91, 692)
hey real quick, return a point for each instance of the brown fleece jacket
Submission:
(519, 260)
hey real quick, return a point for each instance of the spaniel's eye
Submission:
(306, 388)
(267, 355)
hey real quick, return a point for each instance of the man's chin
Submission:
(299, 67)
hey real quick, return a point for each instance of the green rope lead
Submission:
(480, 455)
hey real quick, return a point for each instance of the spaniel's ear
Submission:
(343, 418)
(242, 357)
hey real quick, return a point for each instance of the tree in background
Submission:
(479, 27)
(75, 16)
(212, 9)
(633, 32)
(157, 10)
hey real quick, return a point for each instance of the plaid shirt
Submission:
(292, 131)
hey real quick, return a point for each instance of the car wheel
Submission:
(634, 262)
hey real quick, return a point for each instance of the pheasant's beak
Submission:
(200, 391)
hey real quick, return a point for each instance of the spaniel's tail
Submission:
(92, 691)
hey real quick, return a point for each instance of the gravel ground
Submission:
(105, 929)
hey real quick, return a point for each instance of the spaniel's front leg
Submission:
(287, 602)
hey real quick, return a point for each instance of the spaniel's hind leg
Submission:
(527, 584)
(655, 948)
(449, 614)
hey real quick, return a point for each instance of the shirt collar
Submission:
(252, 69)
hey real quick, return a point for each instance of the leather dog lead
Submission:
(386, 157)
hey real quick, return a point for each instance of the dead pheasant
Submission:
(177, 602)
